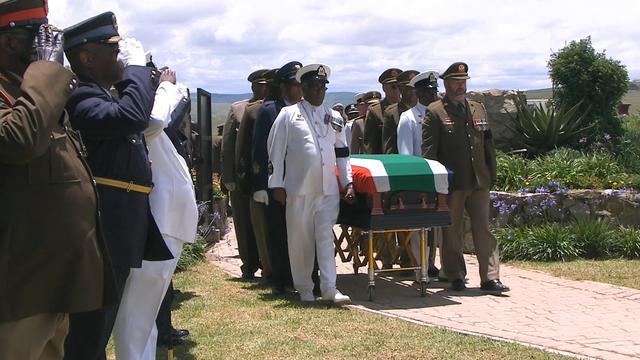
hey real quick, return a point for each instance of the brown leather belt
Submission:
(128, 186)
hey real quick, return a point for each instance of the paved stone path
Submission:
(580, 318)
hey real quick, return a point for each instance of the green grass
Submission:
(616, 272)
(230, 319)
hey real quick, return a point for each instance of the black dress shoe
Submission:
(494, 286)
(248, 276)
(175, 341)
(179, 333)
(458, 285)
(277, 290)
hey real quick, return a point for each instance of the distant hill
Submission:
(631, 97)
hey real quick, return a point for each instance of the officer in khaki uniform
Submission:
(245, 174)
(392, 112)
(53, 260)
(456, 133)
(373, 122)
(363, 102)
(228, 176)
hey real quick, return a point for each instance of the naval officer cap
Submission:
(22, 13)
(389, 76)
(314, 72)
(287, 72)
(457, 70)
(270, 76)
(358, 98)
(101, 28)
(427, 79)
(257, 77)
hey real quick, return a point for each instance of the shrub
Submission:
(628, 154)
(595, 238)
(627, 243)
(552, 242)
(512, 172)
(192, 254)
(512, 242)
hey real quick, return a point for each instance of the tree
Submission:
(579, 72)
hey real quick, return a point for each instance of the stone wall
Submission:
(621, 207)
(501, 110)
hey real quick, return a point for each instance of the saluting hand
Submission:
(168, 75)
(47, 44)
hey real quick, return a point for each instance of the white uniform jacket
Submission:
(305, 143)
(172, 199)
(410, 130)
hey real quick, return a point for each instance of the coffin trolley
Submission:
(397, 195)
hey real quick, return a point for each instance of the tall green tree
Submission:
(579, 72)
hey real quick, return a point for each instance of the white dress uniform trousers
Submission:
(174, 209)
(303, 141)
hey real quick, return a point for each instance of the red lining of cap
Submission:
(22, 15)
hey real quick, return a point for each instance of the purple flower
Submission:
(529, 199)
(493, 197)
(216, 216)
(583, 141)
(607, 136)
(548, 203)
(535, 211)
(523, 190)
(562, 191)
(542, 190)
(553, 184)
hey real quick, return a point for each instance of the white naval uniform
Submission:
(347, 132)
(410, 143)
(174, 209)
(305, 144)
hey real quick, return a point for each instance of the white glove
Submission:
(131, 53)
(230, 186)
(261, 196)
(184, 90)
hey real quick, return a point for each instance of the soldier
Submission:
(373, 122)
(456, 133)
(393, 111)
(409, 134)
(53, 260)
(307, 140)
(244, 175)
(363, 101)
(240, 203)
(288, 93)
(217, 150)
(111, 129)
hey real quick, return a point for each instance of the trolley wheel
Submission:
(372, 292)
(355, 269)
(423, 289)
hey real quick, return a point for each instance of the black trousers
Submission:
(89, 331)
(163, 321)
(277, 243)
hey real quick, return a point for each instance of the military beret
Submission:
(457, 70)
(257, 76)
(351, 109)
(406, 76)
(288, 71)
(425, 79)
(101, 28)
(389, 76)
(15, 13)
(372, 97)
(358, 98)
(313, 72)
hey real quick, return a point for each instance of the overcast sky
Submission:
(215, 44)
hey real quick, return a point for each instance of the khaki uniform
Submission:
(372, 138)
(390, 127)
(451, 134)
(244, 176)
(239, 201)
(357, 136)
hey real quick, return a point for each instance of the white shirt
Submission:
(172, 201)
(347, 133)
(410, 130)
(305, 144)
